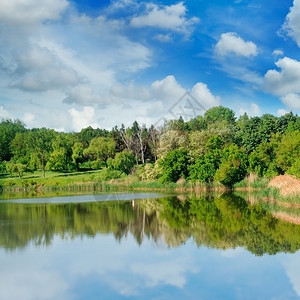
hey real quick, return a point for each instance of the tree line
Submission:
(217, 146)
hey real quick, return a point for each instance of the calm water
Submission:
(175, 247)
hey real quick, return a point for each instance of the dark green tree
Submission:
(175, 165)
(220, 113)
(123, 162)
(233, 166)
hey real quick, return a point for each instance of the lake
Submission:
(146, 246)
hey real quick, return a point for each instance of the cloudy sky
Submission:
(70, 64)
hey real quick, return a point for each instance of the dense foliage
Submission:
(213, 147)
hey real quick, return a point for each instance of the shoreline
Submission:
(270, 189)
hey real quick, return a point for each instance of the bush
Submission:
(108, 174)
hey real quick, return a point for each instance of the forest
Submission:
(215, 147)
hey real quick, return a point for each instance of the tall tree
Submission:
(41, 143)
(100, 149)
(8, 130)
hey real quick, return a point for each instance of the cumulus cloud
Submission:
(38, 62)
(40, 70)
(285, 81)
(202, 93)
(251, 110)
(231, 42)
(292, 101)
(167, 89)
(20, 12)
(292, 24)
(84, 118)
(172, 17)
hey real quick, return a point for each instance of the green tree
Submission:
(87, 134)
(77, 154)
(20, 147)
(233, 166)
(17, 168)
(262, 161)
(205, 167)
(288, 151)
(123, 161)
(197, 124)
(61, 157)
(8, 130)
(171, 140)
(41, 143)
(100, 149)
(174, 165)
(219, 113)
(250, 135)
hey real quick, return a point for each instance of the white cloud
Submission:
(42, 62)
(84, 95)
(285, 81)
(167, 89)
(84, 118)
(282, 112)
(4, 114)
(292, 24)
(164, 38)
(43, 283)
(230, 42)
(130, 91)
(172, 17)
(278, 52)
(28, 118)
(292, 101)
(202, 93)
(251, 110)
(121, 4)
(39, 69)
(29, 12)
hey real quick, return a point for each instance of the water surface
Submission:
(194, 247)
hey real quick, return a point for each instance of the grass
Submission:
(92, 180)
(53, 179)
(89, 181)
(253, 181)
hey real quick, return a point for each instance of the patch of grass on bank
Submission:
(55, 179)
(253, 181)
(104, 179)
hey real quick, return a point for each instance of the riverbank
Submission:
(283, 187)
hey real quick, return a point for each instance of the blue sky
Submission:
(70, 64)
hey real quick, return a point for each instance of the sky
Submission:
(71, 64)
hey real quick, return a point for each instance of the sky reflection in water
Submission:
(76, 264)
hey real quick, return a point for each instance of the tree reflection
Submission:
(225, 221)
